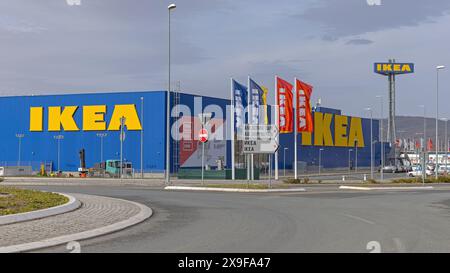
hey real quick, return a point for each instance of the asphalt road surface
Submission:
(333, 221)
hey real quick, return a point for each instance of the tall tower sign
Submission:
(391, 69)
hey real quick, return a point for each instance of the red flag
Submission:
(284, 101)
(417, 144)
(429, 145)
(304, 115)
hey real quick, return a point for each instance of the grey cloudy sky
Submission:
(119, 45)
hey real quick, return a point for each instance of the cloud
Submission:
(354, 17)
(17, 26)
(359, 42)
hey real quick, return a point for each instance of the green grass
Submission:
(13, 200)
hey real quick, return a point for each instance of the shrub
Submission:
(440, 179)
(297, 181)
(372, 181)
(292, 181)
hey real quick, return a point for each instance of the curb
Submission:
(73, 204)
(144, 214)
(384, 188)
(231, 190)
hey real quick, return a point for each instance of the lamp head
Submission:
(171, 7)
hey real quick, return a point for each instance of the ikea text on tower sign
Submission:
(393, 68)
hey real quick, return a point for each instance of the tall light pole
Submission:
(20, 136)
(284, 161)
(59, 138)
(381, 138)
(142, 137)
(424, 145)
(439, 67)
(446, 145)
(320, 159)
(122, 139)
(349, 153)
(371, 142)
(101, 136)
(170, 8)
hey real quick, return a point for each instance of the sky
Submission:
(50, 47)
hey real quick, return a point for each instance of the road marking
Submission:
(354, 188)
(359, 218)
(233, 189)
(399, 245)
(384, 188)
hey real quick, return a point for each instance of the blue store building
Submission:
(77, 121)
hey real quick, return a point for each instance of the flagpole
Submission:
(295, 128)
(277, 109)
(233, 172)
(250, 121)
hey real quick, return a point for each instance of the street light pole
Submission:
(122, 138)
(424, 146)
(142, 137)
(371, 142)
(20, 136)
(381, 138)
(284, 161)
(349, 153)
(446, 145)
(437, 115)
(170, 8)
(320, 160)
(101, 136)
(58, 138)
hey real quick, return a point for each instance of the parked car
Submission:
(442, 169)
(417, 171)
(390, 169)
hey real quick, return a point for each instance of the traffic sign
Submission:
(259, 132)
(259, 139)
(203, 135)
(259, 147)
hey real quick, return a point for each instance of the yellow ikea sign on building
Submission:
(93, 118)
(393, 68)
(347, 132)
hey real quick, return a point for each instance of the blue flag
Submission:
(256, 95)
(240, 104)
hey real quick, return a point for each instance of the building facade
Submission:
(54, 128)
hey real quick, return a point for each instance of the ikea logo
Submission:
(93, 118)
(347, 131)
(393, 68)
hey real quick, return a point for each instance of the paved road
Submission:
(302, 222)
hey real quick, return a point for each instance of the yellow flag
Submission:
(264, 101)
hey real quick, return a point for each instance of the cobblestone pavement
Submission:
(95, 212)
